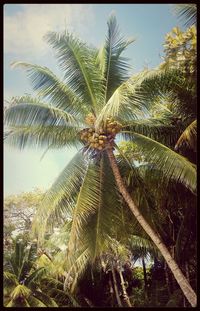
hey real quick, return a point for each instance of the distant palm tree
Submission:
(93, 103)
(20, 279)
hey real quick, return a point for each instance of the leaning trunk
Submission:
(180, 278)
(111, 291)
(145, 277)
(125, 295)
(116, 288)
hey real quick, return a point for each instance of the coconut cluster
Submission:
(104, 136)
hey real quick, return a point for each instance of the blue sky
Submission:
(24, 27)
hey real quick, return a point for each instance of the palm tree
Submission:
(20, 279)
(29, 280)
(93, 103)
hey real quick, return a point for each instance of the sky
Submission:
(24, 27)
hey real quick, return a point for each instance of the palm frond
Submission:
(108, 212)
(35, 303)
(78, 62)
(86, 205)
(62, 194)
(43, 136)
(20, 290)
(17, 258)
(126, 103)
(31, 111)
(161, 129)
(173, 165)
(141, 247)
(10, 279)
(114, 67)
(16, 304)
(36, 275)
(64, 298)
(45, 299)
(188, 137)
(187, 13)
(51, 88)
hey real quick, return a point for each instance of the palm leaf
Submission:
(173, 165)
(37, 274)
(43, 136)
(48, 86)
(78, 62)
(62, 194)
(188, 137)
(108, 212)
(45, 299)
(126, 103)
(161, 129)
(114, 67)
(87, 202)
(20, 290)
(10, 279)
(141, 247)
(17, 258)
(187, 13)
(31, 111)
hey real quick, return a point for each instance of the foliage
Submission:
(181, 50)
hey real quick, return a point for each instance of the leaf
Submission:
(188, 137)
(114, 66)
(43, 136)
(173, 165)
(87, 202)
(48, 86)
(62, 194)
(187, 13)
(78, 62)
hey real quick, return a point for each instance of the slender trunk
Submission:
(125, 295)
(145, 277)
(111, 291)
(116, 288)
(181, 279)
(89, 302)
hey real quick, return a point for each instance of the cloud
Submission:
(24, 30)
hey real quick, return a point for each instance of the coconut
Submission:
(100, 147)
(96, 145)
(109, 129)
(101, 142)
(91, 130)
(90, 119)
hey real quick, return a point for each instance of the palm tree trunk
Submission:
(145, 277)
(116, 288)
(125, 295)
(181, 279)
(111, 291)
